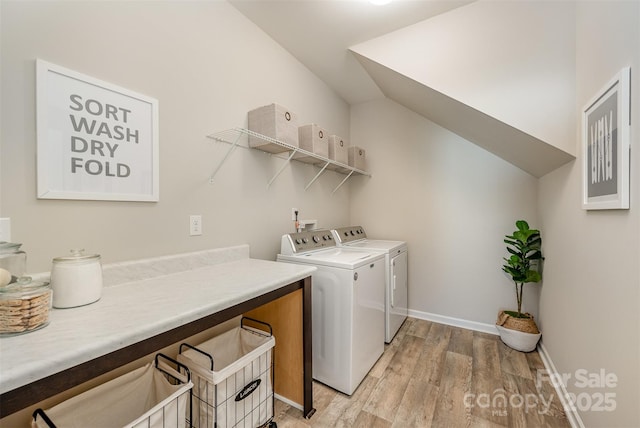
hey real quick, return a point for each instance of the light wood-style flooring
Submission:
(434, 375)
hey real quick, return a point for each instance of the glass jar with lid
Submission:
(25, 306)
(76, 279)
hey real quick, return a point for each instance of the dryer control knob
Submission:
(305, 240)
(298, 241)
(316, 239)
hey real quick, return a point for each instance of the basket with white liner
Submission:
(233, 377)
(154, 396)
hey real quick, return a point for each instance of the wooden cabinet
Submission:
(285, 317)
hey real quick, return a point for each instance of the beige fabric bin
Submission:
(141, 398)
(338, 149)
(276, 122)
(357, 158)
(314, 139)
(242, 361)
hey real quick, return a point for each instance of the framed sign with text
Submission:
(606, 124)
(96, 141)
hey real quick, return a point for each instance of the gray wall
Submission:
(207, 65)
(589, 300)
(452, 201)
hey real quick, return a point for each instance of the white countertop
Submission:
(132, 311)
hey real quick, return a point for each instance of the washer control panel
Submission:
(295, 243)
(349, 234)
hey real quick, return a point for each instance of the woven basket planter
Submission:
(525, 325)
(521, 334)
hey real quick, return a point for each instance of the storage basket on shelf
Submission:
(313, 139)
(154, 396)
(233, 378)
(338, 149)
(357, 158)
(276, 122)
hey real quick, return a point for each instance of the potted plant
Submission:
(519, 330)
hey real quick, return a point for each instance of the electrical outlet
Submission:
(195, 225)
(293, 213)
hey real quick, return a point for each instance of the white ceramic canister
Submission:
(76, 280)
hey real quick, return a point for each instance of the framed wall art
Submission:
(95, 140)
(606, 124)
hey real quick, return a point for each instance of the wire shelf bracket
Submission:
(235, 135)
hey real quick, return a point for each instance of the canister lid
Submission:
(24, 285)
(9, 247)
(77, 256)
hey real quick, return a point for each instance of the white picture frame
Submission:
(606, 125)
(95, 140)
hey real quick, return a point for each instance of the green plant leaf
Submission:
(521, 236)
(537, 255)
(512, 251)
(534, 241)
(532, 276)
(511, 241)
(526, 236)
(524, 246)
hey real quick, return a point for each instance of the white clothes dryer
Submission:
(347, 305)
(396, 273)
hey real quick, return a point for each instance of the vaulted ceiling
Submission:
(415, 53)
(319, 33)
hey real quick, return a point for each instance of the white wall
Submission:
(512, 60)
(452, 201)
(590, 296)
(207, 65)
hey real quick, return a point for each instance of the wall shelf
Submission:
(239, 137)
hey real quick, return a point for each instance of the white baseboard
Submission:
(572, 415)
(289, 402)
(456, 322)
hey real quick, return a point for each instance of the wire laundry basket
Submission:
(233, 378)
(154, 396)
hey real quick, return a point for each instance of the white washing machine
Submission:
(347, 305)
(396, 276)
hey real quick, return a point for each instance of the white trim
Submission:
(456, 322)
(289, 402)
(570, 411)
